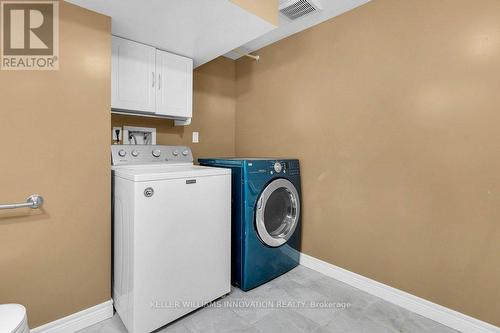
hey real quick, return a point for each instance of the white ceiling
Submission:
(204, 29)
(330, 8)
(198, 29)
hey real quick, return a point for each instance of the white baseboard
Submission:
(438, 313)
(78, 321)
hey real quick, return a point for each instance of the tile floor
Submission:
(343, 309)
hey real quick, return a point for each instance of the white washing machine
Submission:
(172, 234)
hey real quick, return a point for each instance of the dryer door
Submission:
(277, 212)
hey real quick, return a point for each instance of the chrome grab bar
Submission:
(34, 201)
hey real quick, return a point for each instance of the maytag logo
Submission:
(29, 35)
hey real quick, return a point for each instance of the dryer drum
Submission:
(277, 213)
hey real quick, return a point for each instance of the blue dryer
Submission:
(265, 217)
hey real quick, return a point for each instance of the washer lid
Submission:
(146, 172)
(11, 316)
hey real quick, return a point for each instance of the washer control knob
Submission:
(185, 152)
(278, 167)
(156, 153)
(135, 153)
(122, 153)
(175, 153)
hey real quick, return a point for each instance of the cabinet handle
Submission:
(159, 81)
(153, 74)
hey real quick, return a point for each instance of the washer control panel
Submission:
(145, 154)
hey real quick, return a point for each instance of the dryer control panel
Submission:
(146, 154)
(284, 167)
(273, 167)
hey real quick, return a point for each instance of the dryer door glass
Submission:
(277, 213)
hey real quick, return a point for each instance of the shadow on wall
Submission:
(24, 215)
(278, 61)
(164, 127)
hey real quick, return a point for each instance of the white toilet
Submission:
(13, 319)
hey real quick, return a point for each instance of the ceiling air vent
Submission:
(294, 9)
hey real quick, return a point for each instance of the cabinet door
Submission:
(174, 94)
(133, 76)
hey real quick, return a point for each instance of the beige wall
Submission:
(393, 110)
(54, 129)
(213, 113)
(265, 9)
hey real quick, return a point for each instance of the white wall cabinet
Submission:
(149, 81)
(133, 76)
(174, 95)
